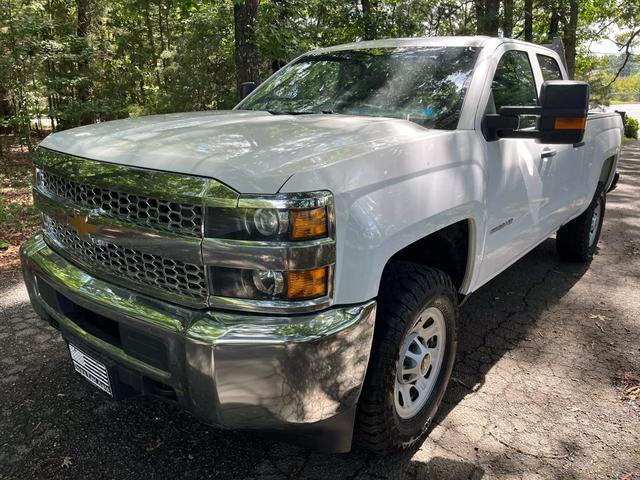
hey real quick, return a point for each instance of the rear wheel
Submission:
(412, 357)
(577, 240)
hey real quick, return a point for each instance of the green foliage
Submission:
(137, 57)
(596, 71)
(630, 127)
(627, 89)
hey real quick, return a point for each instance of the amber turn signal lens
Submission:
(570, 123)
(302, 284)
(309, 223)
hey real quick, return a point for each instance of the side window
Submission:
(514, 84)
(550, 68)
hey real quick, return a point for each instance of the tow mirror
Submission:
(562, 115)
(246, 88)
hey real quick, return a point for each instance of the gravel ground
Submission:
(547, 352)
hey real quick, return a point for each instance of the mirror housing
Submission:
(246, 88)
(562, 115)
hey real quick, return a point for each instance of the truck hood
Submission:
(253, 152)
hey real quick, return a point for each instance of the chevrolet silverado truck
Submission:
(295, 265)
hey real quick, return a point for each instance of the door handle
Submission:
(548, 153)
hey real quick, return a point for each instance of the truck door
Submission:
(518, 174)
(564, 163)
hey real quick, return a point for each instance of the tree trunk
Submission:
(367, 20)
(82, 31)
(284, 16)
(6, 102)
(570, 34)
(487, 17)
(245, 16)
(152, 44)
(84, 18)
(558, 17)
(479, 10)
(507, 26)
(322, 10)
(161, 27)
(168, 27)
(554, 24)
(6, 105)
(528, 20)
(492, 17)
(50, 69)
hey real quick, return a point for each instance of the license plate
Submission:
(91, 369)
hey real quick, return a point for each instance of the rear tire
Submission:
(577, 240)
(413, 353)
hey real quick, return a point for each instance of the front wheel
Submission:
(577, 240)
(413, 353)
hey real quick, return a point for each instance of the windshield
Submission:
(425, 85)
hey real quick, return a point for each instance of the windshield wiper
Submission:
(293, 112)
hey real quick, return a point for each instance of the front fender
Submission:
(384, 204)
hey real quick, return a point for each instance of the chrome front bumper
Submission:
(300, 375)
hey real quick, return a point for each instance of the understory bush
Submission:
(630, 127)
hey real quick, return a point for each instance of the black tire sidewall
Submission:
(572, 239)
(409, 428)
(591, 248)
(406, 291)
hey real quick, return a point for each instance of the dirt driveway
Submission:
(547, 352)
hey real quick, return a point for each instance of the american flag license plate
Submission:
(91, 369)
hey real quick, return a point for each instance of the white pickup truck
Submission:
(295, 265)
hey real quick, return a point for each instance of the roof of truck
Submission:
(470, 41)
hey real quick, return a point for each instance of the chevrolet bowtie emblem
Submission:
(82, 225)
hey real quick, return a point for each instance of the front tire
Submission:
(413, 353)
(577, 240)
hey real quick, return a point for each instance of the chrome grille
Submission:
(150, 212)
(152, 270)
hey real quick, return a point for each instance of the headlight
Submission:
(273, 251)
(304, 284)
(268, 284)
(267, 224)
(306, 224)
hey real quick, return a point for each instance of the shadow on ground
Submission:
(49, 414)
(146, 437)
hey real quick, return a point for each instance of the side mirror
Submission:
(246, 88)
(562, 115)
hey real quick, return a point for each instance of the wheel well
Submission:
(446, 250)
(605, 173)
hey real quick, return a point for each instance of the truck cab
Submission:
(296, 265)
